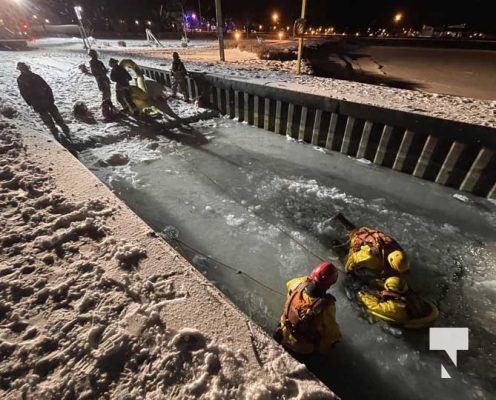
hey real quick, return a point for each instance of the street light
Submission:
(78, 10)
(398, 17)
(275, 17)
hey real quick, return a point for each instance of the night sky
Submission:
(353, 14)
(346, 15)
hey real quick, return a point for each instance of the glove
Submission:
(355, 258)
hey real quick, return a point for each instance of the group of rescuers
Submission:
(308, 322)
(37, 93)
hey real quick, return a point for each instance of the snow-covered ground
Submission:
(92, 303)
(203, 57)
(197, 178)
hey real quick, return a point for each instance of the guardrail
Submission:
(455, 154)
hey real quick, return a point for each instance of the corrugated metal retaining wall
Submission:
(455, 154)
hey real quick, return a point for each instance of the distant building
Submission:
(460, 31)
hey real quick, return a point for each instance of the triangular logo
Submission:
(444, 373)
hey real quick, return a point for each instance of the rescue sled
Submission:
(416, 323)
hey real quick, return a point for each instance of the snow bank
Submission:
(94, 305)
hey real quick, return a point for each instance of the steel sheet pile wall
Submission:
(455, 154)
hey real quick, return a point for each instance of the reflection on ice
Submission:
(258, 204)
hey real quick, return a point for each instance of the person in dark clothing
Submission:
(121, 77)
(178, 71)
(36, 92)
(99, 71)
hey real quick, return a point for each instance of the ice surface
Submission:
(257, 202)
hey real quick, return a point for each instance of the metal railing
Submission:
(451, 153)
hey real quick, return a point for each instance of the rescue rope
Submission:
(334, 259)
(232, 269)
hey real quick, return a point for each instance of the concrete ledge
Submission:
(125, 296)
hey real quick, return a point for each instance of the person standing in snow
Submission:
(308, 323)
(38, 94)
(121, 77)
(178, 71)
(99, 71)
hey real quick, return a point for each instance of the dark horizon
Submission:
(350, 15)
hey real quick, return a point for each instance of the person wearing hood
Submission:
(38, 94)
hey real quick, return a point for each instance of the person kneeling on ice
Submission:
(374, 250)
(396, 302)
(121, 77)
(308, 323)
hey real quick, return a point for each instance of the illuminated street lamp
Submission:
(398, 17)
(275, 17)
(78, 10)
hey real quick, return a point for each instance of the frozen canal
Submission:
(257, 202)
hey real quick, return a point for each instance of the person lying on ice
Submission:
(308, 322)
(395, 302)
(374, 250)
(38, 94)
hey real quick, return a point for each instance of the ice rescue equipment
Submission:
(139, 92)
(381, 245)
(373, 238)
(300, 312)
(420, 313)
(140, 80)
(325, 275)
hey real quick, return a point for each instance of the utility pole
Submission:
(300, 39)
(220, 28)
(199, 12)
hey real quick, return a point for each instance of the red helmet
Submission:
(325, 275)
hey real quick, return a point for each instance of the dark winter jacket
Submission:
(98, 69)
(35, 91)
(178, 69)
(120, 76)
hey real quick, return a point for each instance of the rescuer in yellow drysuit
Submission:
(395, 302)
(308, 322)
